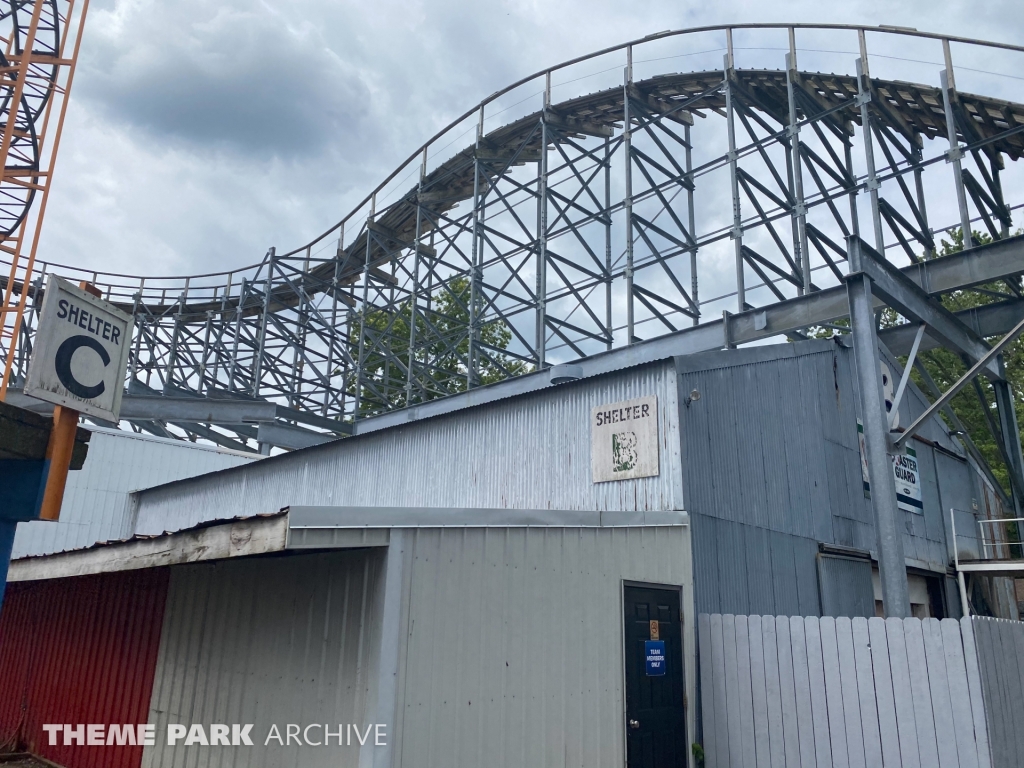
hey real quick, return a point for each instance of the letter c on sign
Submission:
(62, 363)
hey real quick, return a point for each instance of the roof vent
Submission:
(564, 372)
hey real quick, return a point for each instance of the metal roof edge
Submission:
(731, 358)
(216, 540)
(310, 518)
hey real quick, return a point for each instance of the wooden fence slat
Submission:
(787, 689)
(1013, 674)
(736, 730)
(905, 723)
(1017, 630)
(923, 716)
(721, 704)
(888, 727)
(746, 704)
(759, 691)
(919, 691)
(773, 694)
(802, 684)
(866, 692)
(707, 691)
(973, 671)
(959, 695)
(938, 686)
(849, 683)
(819, 704)
(809, 692)
(992, 692)
(834, 693)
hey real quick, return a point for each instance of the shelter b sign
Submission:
(624, 440)
(81, 351)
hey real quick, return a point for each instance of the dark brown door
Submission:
(655, 713)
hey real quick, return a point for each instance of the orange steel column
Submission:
(58, 454)
(27, 237)
(60, 447)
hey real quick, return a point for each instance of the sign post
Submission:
(78, 364)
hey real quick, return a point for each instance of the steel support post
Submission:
(627, 141)
(801, 254)
(948, 82)
(268, 286)
(221, 323)
(608, 242)
(919, 188)
(1010, 435)
(891, 562)
(692, 221)
(414, 298)
(204, 354)
(542, 232)
(737, 218)
(243, 290)
(476, 257)
(333, 330)
(134, 367)
(358, 398)
(172, 352)
(863, 99)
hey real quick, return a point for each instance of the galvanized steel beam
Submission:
(892, 567)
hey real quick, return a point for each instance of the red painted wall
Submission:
(79, 650)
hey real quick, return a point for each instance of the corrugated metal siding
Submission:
(268, 641)
(742, 569)
(845, 587)
(514, 643)
(79, 650)
(772, 446)
(96, 505)
(530, 452)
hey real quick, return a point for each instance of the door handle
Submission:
(634, 724)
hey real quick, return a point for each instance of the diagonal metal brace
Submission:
(903, 295)
(963, 381)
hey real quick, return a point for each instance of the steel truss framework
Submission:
(39, 41)
(581, 227)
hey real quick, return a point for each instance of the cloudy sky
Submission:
(199, 133)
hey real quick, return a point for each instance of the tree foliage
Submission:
(974, 405)
(442, 349)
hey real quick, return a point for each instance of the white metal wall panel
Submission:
(528, 452)
(513, 654)
(268, 641)
(96, 504)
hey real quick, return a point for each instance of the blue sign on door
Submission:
(654, 655)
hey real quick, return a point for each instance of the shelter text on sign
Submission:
(624, 440)
(81, 351)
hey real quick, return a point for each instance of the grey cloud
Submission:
(200, 133)
(241, 80)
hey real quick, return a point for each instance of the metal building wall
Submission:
(531, 452)
(772, 467)
(268, 641)
(96, 505)
(513, 651)
(79, 650)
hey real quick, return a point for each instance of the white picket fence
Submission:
(803, 692)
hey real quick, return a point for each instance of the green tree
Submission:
(946, 367)
(442, 348)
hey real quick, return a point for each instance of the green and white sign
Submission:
(624, 440)
(905, 470)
